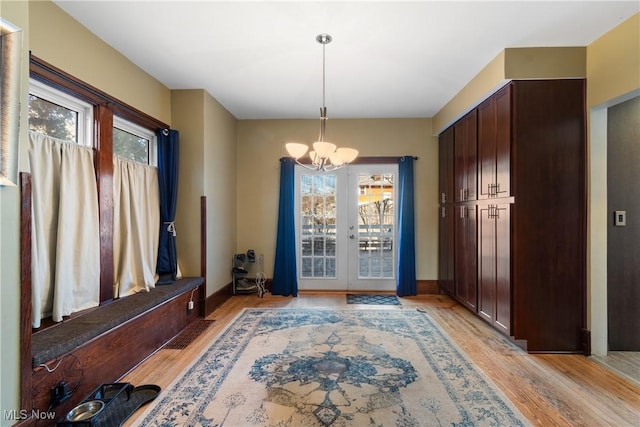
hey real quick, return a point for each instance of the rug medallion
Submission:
(321, 367)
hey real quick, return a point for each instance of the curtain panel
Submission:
(65, 228)
(136, 225)
(406, 279)
(285, 274)
(168, 157)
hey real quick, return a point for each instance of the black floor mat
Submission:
(117, 408)
(372, 299)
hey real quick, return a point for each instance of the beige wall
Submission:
(261, 144)
(188, 118)
(613, 76)
(61, 41)
(220, 173)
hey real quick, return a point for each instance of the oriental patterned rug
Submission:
(322, 367)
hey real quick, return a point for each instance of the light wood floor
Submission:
(550, 390)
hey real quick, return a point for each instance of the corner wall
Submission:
(208, 136)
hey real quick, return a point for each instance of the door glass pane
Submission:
(318, 226)
(376, 226)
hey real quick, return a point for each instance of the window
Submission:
(74, 107)
(59, 115)
(133, 142)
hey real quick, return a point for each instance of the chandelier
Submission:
(325, 156)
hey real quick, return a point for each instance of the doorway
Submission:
(346, 223)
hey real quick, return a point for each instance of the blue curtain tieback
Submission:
(171, 227)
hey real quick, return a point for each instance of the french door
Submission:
(346, 228)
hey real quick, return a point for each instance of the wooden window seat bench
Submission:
(102, 345)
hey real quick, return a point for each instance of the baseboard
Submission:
(217, 298)
(427, 287)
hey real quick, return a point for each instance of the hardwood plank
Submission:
(550, 389)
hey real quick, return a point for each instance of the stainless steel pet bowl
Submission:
(85, 410)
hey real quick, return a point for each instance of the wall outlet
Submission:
(60, 393)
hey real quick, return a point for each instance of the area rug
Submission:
(373, 299)
(321, 367)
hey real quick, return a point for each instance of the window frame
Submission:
(141, 132)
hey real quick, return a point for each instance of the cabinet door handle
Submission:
(443, 197)
(462, 212)
(492, 190)
(443, 212)
(462, 194)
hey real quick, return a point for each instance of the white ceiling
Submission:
(387, 59)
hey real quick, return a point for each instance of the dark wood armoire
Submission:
(512, 196)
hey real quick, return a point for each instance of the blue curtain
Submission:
(285, 274)
(167, 267)
(406, 284)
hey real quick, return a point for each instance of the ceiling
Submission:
(390, 59)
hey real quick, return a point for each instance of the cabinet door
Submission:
(472, 156)
(494, 146)
(446, 250)
(487, 263)
(503, 142)
(487, 149)
(466, 256)
(446, 177)
(465, 154)
(494, 265)
(503, 267)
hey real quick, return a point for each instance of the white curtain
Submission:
(136, 226)
(66, 239)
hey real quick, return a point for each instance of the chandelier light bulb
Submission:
(296, 150)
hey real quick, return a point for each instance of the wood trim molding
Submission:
(202, 292)
(25, 293)
(427, 287)
(103, 125)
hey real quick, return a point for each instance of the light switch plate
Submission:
(620, 218)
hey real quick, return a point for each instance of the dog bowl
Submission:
(85, 410)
